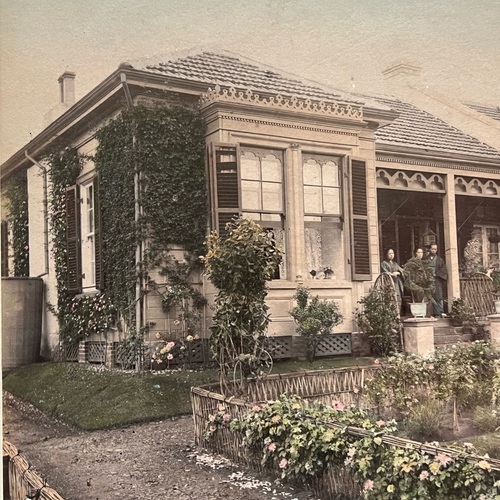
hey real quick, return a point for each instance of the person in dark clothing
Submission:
(438, 266)
(393, 268)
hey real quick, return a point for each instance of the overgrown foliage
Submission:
(300, 442)
(17, 207)
(463, 375)
(165, 147)
(240, 266)
(461, 313)
(314, 317)
(378, 318)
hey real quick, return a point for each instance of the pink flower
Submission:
(338, 405)
(283, 463)
(170, 346)
(256, 408)
(226, 417)
(368, 485)
(177, 322)
(213, 428)
(170, 356)
(380, 423)
(271, 446)
(443, 459)
(376, 361)
(26, 247)
(423, 475)
(196, 337)
(355, 390)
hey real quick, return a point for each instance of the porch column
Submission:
(294, 213)
(450, 237)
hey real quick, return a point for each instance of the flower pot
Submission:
(418, 309)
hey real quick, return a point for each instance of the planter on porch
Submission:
(418, 309)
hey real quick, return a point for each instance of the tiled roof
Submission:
(490, 111)
(418, 129)
(227, 70)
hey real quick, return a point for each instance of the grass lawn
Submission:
(96, 399)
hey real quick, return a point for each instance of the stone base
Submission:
(418, 335)
(494, 329)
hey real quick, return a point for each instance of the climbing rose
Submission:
(283, 463)
(368, 485)
(271, 446)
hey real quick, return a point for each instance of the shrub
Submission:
(461, 313)
(487, 418)
(426, 419)
(418, 279)
(379, 320)
(314, 318)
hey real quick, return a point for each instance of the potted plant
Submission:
(418, 279)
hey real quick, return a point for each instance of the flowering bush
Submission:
(221, 418)
(179, 352)
(300, 442)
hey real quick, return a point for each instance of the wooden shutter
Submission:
(99, 275)
(5, 248)
(226, 186)
(73, 241)
(360, 240)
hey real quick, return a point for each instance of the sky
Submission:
(343, 43)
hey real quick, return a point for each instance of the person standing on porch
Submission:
(440, 273)
(395, 271)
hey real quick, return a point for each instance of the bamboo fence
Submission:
(326, 386)
(21, 482)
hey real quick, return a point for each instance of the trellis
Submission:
(478, 293)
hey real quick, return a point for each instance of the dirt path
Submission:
(141, 462)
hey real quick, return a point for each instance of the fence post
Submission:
(494, 329)
(110, 355)
(82, 352)
(418, 334)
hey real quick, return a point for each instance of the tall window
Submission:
(261, 176)
(83, 237)
(322, 216)
(489, 236)
(88, 236)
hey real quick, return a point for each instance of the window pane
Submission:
(330, 174)
(271, 168)
(90, 209)
(324, 250)
(271, 217)
(331, 200)
(250, 166)
(272, 197)
(312, 173)
(312, 200)
(250, 195)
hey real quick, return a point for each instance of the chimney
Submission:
(67, 88)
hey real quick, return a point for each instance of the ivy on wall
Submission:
(17, 206)
(166, 147)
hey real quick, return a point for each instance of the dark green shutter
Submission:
(226, 186)
(99, 276)
(5, 248)
(73, 240)
(360, 238)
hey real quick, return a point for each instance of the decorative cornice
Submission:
(426, 163)
(288, 125)
(291, 103)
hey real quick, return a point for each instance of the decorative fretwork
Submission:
(96, 352)
(293, 103)
(413, 181)
(330, 345)
(65, 352)
(473, 186)
(279, 347)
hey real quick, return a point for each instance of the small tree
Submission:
(240, 266)
(314, 318)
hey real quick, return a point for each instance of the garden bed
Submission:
(330, 387)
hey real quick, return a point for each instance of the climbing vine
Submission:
(17, 206)
(165, 147)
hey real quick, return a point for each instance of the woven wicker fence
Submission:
(20, 481)
(344, 384)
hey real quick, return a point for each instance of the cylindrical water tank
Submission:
(22, 303)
